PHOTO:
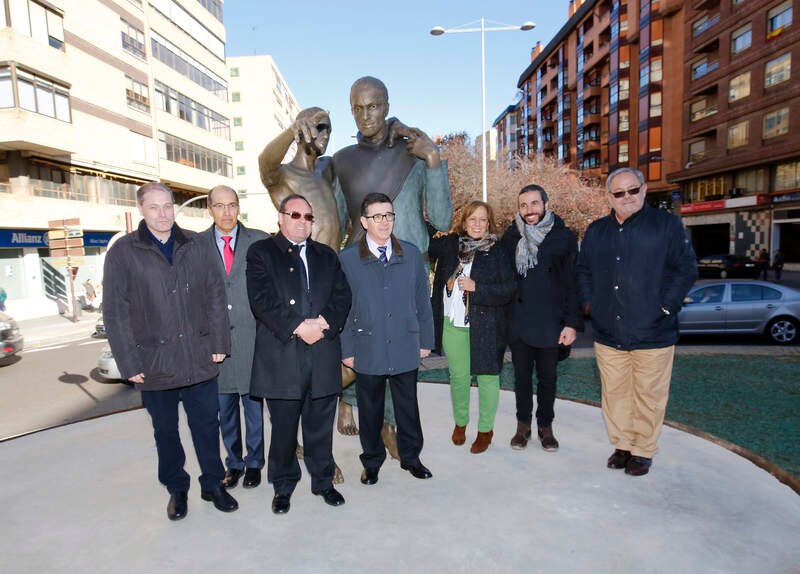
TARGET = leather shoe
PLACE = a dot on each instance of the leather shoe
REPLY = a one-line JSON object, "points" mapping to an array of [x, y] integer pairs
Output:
{"points": [[417, 470], [459, 435], [369, 476], [521, 437], [231, 477], [177, 506], [252, 478], [482, 442], [638, 466], [221, 499], [548, 439], [619, 459], [281, 504], [331, 496]]}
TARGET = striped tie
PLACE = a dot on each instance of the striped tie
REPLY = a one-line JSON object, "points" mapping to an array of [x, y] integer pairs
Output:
{"points": [[383, 258]]}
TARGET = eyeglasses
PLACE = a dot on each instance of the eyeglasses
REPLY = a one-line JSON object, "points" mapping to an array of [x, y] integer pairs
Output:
{"points": [[298, 215], [380, 217], [631, 191], [224, 206]]}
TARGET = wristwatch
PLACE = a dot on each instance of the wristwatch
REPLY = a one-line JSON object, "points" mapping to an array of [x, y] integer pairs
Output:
{"points": [[665, 311]]}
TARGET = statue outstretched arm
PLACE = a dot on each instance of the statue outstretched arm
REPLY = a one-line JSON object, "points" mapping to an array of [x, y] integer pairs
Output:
{"points": [[269, 161]]}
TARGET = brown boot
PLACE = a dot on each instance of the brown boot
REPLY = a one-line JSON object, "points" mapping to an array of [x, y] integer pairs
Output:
{"points": [[482, 442], [520, 440], [548, 440], [459, 435]]}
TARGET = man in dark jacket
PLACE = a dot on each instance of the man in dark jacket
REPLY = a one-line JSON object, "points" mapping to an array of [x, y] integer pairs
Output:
{"points": [[167, 324], [388, 331], [544, 313], [228, 240], [300, 298], [635, 267]]}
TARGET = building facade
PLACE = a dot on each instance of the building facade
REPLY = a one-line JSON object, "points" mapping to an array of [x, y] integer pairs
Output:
{"points": [[262, 106], [96, 98], [740, 175]]}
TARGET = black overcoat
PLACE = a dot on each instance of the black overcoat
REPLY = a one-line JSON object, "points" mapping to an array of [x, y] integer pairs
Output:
{"points": [[274, 288], [494, 289]]}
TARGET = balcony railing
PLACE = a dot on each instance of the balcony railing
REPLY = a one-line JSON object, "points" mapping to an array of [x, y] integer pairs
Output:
{"points": [[704, 69], [698, 156], [704, 113], [702, 27]]}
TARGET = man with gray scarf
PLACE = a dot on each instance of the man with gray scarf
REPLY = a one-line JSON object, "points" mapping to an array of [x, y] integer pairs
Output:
{"points": [[544, 314]]}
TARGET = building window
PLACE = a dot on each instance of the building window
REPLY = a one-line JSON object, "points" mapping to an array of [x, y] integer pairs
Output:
{"points": [[779, 18], [624, 89], [214, 7], [132, 40], [624, 123], [697, 150], [234, 72], [749, 181], [240, 170], [179, 105], [624, 57], [192, 155], [739, 87], [787, 175], [741, 39], [6, 89], [239, 146], [704, 23], [36, 21], [36, 95], [778, 70], [702, 67], [137, 94], [656, 69], [776, 123], [644, 76], [737, 134], [702, 109], [141, 148], [166, 52], [184, 20], [655, 105], [622, 155], [236, 96], [237, 122]]}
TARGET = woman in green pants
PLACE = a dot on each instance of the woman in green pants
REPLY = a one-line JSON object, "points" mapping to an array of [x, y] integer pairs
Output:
{"points": [[473, 283]]}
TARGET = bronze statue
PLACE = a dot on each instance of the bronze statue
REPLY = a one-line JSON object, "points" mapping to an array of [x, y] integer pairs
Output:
{"points": [[308, 174]]}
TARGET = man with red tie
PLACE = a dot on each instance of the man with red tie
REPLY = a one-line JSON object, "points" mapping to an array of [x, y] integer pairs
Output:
{"points": [[229, 241]]}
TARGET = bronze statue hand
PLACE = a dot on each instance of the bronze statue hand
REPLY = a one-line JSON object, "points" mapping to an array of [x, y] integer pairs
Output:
{"points": [[305, 127], [397, 129], [420, 145]]}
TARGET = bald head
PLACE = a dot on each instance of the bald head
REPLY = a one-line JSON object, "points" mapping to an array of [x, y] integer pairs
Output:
{"points": [[223, 204], [369, 102], [224, 188], [370, 82]]}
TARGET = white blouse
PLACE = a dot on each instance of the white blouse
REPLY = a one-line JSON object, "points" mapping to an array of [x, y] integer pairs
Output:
{"points": [[454, 308]]}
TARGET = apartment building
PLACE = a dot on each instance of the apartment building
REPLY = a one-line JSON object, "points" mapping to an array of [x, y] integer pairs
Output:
{"points": [[740, 175], [262, 106], [507, 127], [595, 97], [96, 98]]}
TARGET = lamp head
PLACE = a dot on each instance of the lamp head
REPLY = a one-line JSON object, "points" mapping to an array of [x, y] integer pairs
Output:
{"points": [[437, 31], [525, 26]]}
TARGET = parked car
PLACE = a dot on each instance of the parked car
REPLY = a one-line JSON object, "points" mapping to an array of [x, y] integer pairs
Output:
{"points": [[11, 340], [741, 306], [725, 266], [107, 365]]}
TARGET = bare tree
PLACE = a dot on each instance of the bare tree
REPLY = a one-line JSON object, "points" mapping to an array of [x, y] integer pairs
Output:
{"points": [[573, 198]]}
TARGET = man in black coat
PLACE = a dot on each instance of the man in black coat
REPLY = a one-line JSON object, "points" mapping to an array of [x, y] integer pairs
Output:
{"points": [[300, 298], [167, 324], [544, 312]]}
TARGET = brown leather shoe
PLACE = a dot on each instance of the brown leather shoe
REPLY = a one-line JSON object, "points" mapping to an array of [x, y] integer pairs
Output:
{"points": [[482, 442], [520, 440], [638, 465], [548, 439], [459, 435], [619, 459]]}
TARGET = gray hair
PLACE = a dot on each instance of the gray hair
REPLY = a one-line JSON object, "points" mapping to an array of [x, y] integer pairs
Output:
{"points": [[632, 170], [221, 187], [152, 186]]}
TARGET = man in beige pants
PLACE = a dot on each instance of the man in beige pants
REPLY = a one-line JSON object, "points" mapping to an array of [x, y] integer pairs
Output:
{"points": [[634, 269]]}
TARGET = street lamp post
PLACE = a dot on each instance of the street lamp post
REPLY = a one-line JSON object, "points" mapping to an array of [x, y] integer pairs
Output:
{"points": [[438, 31]]}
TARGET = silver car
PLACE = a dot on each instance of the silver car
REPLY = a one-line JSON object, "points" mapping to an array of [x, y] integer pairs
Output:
{"points": [[742, 306]]}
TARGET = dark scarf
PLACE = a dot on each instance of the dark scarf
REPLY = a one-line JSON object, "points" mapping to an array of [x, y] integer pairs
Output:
{"points": [[532, 236]]}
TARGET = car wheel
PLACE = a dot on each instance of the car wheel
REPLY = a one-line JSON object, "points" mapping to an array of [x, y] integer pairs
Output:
{"points": [[723, 274], [783, 330]]}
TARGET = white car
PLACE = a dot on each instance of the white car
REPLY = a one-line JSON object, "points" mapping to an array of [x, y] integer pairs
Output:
{"points": [[107, 365]]}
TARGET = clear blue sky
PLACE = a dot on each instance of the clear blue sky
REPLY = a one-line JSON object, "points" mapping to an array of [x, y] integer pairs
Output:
{"points": [[322, 46]]}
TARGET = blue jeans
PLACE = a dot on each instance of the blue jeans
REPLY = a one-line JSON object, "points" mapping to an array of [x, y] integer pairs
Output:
{"points": [[230, 426]]}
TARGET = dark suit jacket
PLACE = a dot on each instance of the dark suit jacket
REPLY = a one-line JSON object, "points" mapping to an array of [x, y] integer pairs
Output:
{"points": [[274, 288], [234, 372]]}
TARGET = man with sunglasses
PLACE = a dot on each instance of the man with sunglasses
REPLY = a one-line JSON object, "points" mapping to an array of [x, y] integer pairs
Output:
{"points": [[388, 331], [634, 269], [228, 240], [300, 298]]}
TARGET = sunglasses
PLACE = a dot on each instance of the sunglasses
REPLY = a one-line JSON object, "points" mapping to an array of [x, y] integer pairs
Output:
{"points": [[631, 191], [298, 215]]}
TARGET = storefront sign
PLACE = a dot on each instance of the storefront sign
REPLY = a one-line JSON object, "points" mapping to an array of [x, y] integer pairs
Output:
{"points": [[703, 206], [786, 197], [38, 238]]}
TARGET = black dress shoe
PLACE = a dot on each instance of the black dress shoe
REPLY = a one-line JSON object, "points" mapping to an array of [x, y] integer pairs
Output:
{"points": [[369, 476], [177, 506], [417, 470], [331, 496], [221, 499], [638, 466], [281, 504], [252, 478], [231, 477], [619, 459]]}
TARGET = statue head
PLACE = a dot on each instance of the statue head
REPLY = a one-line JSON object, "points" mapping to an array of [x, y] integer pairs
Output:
{"points": [[321, 120], [369, 102]]}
